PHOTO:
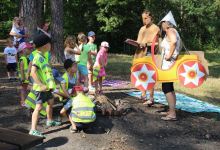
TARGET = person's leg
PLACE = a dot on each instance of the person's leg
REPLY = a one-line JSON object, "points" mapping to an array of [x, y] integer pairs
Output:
{"points": [[96, 87], [23, 93], [9, 75], [171, 99], [14, 70], [143, 96], [35, 116], [150, 102], [90, 78], [50, 122], [49, 110], [72, 123], [152, 94], [8, 71], [100, 84]]}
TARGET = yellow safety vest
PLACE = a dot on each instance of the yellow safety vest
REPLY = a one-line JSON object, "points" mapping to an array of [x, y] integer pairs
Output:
{"points": [[66, 79], [82, 109], [46, 55], [30, 102], [25, 63], [44, 72]]}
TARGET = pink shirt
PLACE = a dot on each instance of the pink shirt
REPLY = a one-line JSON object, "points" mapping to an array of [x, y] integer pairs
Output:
{"points": [[101, 58]]}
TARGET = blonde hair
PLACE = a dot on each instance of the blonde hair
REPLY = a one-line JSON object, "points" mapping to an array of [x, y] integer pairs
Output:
{"points": [[82, 37], [71, 41], [9, 40]]}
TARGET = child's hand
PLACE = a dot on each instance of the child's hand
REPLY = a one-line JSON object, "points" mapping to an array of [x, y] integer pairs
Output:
{"points": [[43, 87]]}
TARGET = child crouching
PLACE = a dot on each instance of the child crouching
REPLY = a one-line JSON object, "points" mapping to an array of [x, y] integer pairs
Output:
{"points": [[82, 110]]}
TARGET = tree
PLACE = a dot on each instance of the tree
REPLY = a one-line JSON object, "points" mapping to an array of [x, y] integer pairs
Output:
{"points": [[57, 30], [29, 14]]}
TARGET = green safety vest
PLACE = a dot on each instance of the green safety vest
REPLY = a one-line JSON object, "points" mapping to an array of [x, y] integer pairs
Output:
{"points": [[25, 63], [46, 55], [66, 79], [44, 72], [30, 102], [82, 109]]}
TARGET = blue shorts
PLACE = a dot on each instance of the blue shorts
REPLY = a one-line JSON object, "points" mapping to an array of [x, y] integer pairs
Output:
{"points": [[83, 69]]}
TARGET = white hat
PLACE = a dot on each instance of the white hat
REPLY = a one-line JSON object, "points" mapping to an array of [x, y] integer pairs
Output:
{"points": [[169, 17], [105, 44]]}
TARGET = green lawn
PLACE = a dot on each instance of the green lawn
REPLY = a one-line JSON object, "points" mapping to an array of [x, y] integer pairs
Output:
{"points": [[119, 68]]}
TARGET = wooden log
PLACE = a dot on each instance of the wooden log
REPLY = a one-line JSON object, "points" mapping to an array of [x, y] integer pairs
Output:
{"points": [[22, 140], [5, 146]]}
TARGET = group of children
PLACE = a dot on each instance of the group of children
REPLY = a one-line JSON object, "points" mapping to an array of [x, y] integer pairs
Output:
{"points": [[84, 66], [91, 64]]}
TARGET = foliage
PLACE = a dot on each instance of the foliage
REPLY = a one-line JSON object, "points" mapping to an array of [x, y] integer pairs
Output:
{"points": [[114, 21], [9, 9]]}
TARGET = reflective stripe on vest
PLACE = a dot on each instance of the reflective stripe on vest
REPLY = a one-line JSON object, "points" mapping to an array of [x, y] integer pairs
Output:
{"points": [[30, 101], [84, 119], [82, 109]]}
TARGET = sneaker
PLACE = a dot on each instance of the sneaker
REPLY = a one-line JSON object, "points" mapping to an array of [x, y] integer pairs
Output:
{"points": [[36, 133], [91, 89], [53, 123]]}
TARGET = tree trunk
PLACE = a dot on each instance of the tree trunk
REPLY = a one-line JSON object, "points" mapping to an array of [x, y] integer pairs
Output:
{"points": [[29, 14], [57, 30], [40, 10]]}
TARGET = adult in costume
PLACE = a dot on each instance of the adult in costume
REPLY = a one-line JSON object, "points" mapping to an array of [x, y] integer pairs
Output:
{"points": [[145, 37], [170, 50]]}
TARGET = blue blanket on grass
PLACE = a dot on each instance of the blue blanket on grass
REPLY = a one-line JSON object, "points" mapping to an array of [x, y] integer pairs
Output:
{"points": [[184, 102]]}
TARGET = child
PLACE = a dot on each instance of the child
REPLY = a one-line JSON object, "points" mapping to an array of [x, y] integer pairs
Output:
{"points": [[93, 50], [85, 56], [44, 83], [24, 50], [82, 111], [99, 66], [69, 79], [81, 40], [11, 60], [71, 48]]}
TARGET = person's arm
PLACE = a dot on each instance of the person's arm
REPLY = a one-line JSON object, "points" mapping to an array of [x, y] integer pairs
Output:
{"points": [[140, 35], [29, 68], [6, 62], [35, 78], [16, 57], [22, 71], [65, 92], [66, 107], [171, 35], [140, 38], [73, 51], [90, 58]]}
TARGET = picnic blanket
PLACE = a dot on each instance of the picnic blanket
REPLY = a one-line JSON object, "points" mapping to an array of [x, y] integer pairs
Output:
{"points": [[184, 102], [115, 83]]}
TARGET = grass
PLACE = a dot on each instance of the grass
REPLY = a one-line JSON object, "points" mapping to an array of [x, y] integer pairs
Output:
{"points": [[119, 68]]}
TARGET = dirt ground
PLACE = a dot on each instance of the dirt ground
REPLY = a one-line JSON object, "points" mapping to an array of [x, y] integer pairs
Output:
{"points": [[141, 129]]}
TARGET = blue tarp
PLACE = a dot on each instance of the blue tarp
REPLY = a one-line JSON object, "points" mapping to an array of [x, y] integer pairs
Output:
{"points": [[184, 102]]}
